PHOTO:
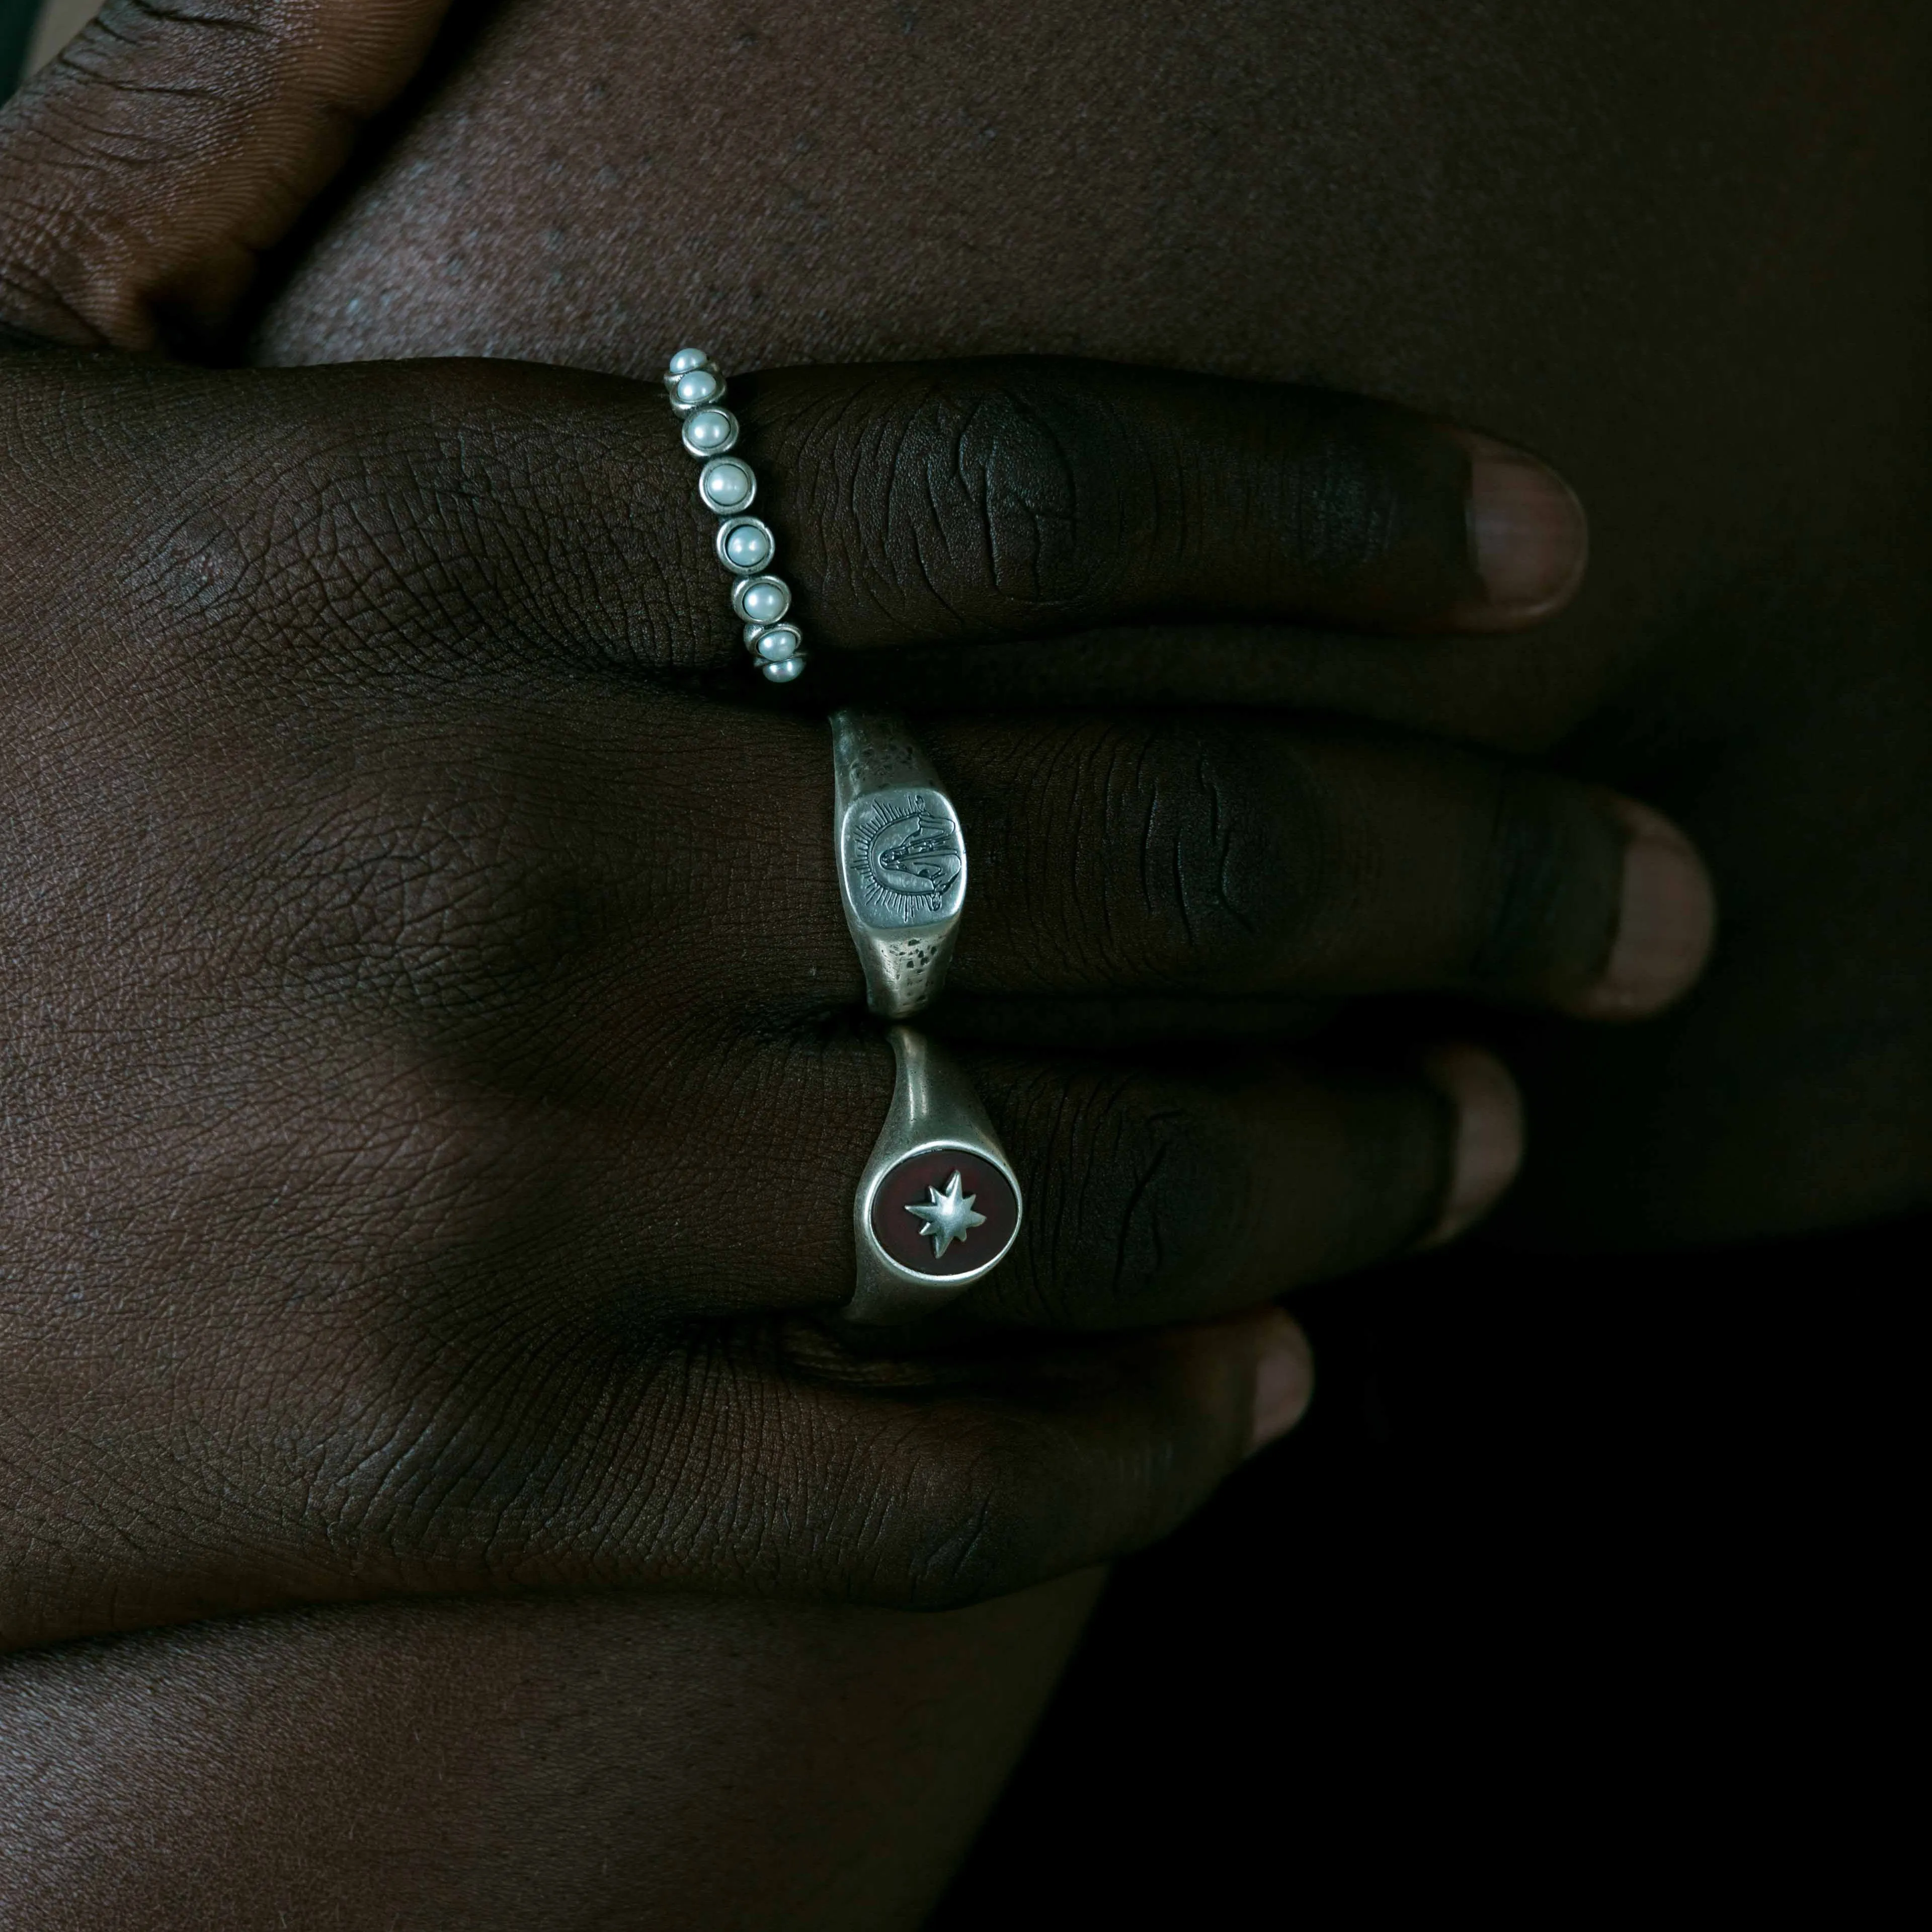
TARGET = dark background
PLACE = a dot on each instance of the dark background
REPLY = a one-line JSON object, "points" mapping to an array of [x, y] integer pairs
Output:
{"points": [[1583, 1583], [16, 28]]}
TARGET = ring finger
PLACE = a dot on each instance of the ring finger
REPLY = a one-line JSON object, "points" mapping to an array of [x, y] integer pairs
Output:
{"points": [[1208, 859], [1216, 858], [1153, 1196]]}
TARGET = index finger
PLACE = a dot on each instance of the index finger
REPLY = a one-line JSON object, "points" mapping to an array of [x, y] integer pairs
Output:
{"points": [[963, 502]]}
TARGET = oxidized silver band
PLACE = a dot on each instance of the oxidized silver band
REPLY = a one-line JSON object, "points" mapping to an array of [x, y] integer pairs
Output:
{"points": [[901, 861], [938, 1206], [726, 487]]}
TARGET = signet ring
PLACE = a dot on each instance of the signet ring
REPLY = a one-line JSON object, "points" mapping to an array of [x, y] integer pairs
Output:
{"points": [[938, 1206], [901, 861]]}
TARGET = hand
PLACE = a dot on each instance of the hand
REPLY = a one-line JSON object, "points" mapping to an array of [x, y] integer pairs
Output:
{"points": [[434, 1090], [1721, 351]]}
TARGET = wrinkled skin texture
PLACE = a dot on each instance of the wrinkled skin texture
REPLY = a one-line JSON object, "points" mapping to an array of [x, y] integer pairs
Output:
{"points": [[1679, 251], [424, 956], [568, 1765], [1676, 252], [418, 983]]}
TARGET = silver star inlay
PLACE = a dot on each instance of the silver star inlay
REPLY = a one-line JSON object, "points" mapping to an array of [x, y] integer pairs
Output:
{"points": [[947, 1217]]}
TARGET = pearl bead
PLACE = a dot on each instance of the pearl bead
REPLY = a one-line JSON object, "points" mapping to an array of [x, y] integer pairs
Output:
{"points": [[763, 601], [725, 485], [709, 430]]}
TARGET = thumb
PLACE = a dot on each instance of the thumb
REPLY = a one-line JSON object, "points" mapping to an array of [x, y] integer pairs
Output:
{"points": [[143, 173]]}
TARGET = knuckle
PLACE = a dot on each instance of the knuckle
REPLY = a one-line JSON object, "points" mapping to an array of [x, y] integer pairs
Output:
{"points": [[483, 1473], [1011, 1509], [520, 1428], [1366, 492], [450, 912], [1213, 865], [1134, 1210], [427, 542], [366, 543], [1017, 460], [141, 89], [1346, 510], [976, 1544], [1518, 933], [1000, 498]]}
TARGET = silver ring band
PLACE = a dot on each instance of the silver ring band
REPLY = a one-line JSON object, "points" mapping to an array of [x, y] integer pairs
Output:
{"points": [[938, 1206], [728, 488], [901, 861]]}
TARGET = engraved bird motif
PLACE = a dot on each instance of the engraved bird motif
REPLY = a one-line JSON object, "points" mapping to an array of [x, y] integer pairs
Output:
{"points": [[925, 860]]}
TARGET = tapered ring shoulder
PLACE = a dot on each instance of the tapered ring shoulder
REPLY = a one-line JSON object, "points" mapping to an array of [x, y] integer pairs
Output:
{"points": [[939, 1206]]}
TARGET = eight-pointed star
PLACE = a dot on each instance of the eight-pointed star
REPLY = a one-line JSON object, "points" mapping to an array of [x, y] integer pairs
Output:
{"points": [[947, 1217]]}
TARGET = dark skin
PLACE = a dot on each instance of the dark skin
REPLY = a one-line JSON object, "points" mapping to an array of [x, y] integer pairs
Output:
{"points": [[1408, 694], [421, 986], [596, 1762], [1680, 251], [438, 1048]]}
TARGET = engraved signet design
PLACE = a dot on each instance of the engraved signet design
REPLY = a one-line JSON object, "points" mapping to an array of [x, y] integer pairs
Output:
{"points": [[905, 861]]}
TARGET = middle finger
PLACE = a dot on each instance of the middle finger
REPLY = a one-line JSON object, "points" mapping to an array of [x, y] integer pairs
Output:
{"points": [[1216, 859]]}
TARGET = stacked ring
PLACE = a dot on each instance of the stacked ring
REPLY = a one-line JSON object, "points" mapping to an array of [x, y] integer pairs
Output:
{"points": [[938, 1205], [726, 487]]}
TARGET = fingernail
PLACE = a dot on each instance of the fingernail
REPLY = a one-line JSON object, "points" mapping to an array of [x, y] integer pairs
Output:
{"points": [[1284, 1379], [1667, 919], [1528, 537], [1488, 1134]]}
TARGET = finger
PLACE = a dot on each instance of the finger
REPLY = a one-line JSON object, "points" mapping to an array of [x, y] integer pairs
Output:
{"points": [[487, 508], [926, 1481], [529, 1452], [1204, 856], [961, 502], [143, 173], [1156, 1192], [1155, 1195]]}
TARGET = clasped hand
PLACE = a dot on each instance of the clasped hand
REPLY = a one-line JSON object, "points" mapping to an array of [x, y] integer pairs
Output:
{"points": [[435, 1070]]}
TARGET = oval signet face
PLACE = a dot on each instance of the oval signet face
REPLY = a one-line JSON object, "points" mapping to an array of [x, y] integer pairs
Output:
{"points": [[905, 862], [947, 1211]]}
